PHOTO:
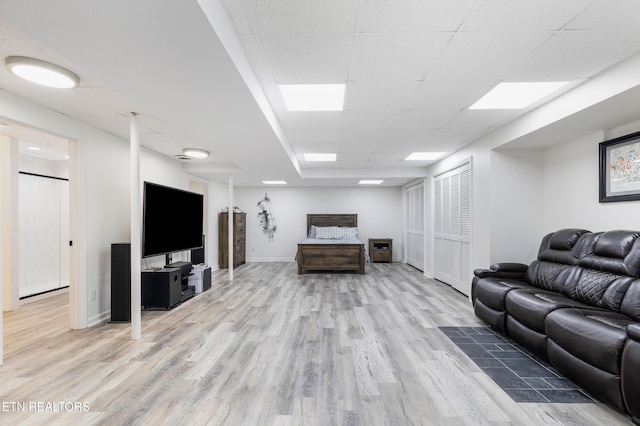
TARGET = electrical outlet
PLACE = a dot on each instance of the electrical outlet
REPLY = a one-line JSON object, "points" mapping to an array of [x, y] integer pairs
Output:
{"points": [[93, 295]]}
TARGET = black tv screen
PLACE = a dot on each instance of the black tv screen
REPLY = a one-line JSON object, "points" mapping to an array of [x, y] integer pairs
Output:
{"points": [[171, 221]]}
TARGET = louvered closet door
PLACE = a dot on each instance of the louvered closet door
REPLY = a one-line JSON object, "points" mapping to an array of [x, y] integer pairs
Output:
{"points": [[452, 228], [414, 199]]}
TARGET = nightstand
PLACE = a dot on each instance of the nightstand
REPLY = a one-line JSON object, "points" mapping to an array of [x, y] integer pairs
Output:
{"points": [[380, 249]]}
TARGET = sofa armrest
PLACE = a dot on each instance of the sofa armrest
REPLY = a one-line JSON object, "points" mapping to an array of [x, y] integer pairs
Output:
{"points": [[502, 270], [633, 331]]}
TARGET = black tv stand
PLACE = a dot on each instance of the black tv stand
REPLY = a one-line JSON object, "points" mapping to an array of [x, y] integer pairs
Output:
{"points": [[164, 288]]}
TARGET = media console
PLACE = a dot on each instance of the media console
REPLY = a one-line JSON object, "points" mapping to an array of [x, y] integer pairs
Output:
{"points": [[168, 287]]}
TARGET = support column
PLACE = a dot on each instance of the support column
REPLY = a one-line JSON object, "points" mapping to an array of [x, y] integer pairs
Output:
{"points": [[136, 227], [10, 236], [230, 231]]}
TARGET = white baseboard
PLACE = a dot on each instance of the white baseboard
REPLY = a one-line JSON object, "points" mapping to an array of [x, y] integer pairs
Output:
{"points": [[99, 319]]}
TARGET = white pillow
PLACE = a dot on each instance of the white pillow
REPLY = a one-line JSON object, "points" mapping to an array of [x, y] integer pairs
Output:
{"points": [[336, 233]]}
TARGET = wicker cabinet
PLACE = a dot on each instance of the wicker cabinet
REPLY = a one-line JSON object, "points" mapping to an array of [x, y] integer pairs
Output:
{"points": [[238, 238]]}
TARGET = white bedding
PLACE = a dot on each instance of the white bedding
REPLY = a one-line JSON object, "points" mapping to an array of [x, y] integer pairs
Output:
{"points": [[328, 241]]}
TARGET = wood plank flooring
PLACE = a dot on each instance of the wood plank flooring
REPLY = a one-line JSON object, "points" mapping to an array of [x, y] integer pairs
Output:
{"points": [[273, 348]]}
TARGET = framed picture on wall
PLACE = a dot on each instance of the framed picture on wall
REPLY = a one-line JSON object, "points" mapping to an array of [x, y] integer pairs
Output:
{"points": [[620, 169]]}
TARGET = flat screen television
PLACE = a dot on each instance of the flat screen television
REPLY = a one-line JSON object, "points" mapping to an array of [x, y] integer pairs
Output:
{"points": [[171, 220]]}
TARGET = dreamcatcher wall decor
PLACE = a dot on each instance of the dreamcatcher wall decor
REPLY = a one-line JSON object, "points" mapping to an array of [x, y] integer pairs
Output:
{"points": [[267, 221]]}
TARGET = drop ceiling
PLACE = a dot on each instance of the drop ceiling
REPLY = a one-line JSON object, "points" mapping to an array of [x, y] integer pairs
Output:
{"points": [[205, 74]]}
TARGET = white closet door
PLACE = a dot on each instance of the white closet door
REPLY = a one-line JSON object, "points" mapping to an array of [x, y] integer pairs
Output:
{"points": [[414, 199], [452, 228]]}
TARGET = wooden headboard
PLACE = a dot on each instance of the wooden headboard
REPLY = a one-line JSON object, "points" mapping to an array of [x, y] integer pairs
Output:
{"points": [[332, 220]]}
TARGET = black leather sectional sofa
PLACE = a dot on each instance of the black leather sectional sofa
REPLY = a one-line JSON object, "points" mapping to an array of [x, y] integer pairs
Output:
{"points": [[576, 306]]}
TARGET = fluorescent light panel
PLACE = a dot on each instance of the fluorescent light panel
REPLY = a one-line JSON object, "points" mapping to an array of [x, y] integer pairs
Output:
{"points": [[516, 95], [274, 182], [424, 156], [319, 156], [370, 181], [313, 97]]}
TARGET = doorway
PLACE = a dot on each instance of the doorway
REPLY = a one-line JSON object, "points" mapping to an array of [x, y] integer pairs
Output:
{"points": [[414, 206], [36, 250]]}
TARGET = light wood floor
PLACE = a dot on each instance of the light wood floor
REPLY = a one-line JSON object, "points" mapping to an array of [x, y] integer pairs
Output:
{"points": [[270, 348]]}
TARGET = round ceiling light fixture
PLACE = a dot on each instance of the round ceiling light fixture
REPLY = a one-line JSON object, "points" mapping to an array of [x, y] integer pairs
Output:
{"points": [[195, 153], [42, 72]]}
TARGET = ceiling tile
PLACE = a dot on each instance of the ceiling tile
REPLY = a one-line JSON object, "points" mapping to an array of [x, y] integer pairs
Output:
{"points": [[394, 56], [384, 16], [238, 17], [450, 94], [362, 135], [426, 119], [522, 15], [484, 56], [372, 96], [379, 119], [570, 55], [316, 58], [302, 16], [617, 15]]}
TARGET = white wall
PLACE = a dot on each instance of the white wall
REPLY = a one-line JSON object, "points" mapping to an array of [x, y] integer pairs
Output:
{"points": [[103, 196], [379, 210], [571, 187], [217, 201], [516, 205]]}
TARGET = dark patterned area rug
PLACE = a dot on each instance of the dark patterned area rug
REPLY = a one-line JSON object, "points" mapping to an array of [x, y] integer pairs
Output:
{"points": [[522, 376]]}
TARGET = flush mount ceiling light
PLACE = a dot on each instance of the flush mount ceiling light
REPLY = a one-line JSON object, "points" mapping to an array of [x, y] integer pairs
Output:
{"points": [[516, 95], [313, 97], [41, 72], [274, 182], [319, 157], [370, 182], [195, 153], [424, 156]]}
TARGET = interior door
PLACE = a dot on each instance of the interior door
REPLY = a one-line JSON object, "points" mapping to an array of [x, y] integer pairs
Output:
{"points": [[414, 199], [452, 228]]}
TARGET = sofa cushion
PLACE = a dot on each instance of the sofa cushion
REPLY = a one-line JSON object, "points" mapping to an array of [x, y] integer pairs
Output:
{"points": [[592, 335], [548, 275], [531, 307], [563, 246], [492, 291], [616, 252]]}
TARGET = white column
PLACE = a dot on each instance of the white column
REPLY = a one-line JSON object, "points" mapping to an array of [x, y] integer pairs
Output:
{"points": [[77, 234], [230, 231], [136, 233], [10, 236]]}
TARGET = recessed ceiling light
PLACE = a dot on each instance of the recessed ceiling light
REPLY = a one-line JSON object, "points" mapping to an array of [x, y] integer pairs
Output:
{"points": [[516, 95], [274, 182], [195, 153], [313, 97], [370, 182], [41, 72], [33, 148], [424, 156], [319, 157]]}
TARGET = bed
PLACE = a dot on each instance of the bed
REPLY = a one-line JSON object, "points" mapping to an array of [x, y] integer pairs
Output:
{"points": [[323, 253]]}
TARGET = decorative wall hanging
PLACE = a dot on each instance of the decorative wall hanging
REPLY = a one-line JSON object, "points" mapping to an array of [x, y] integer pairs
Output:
{"points": [[620, 169], [267, 221]]}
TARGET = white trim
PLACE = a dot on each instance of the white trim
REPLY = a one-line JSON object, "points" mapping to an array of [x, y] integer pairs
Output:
{"points": [[136, 229], [78, 235]]}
